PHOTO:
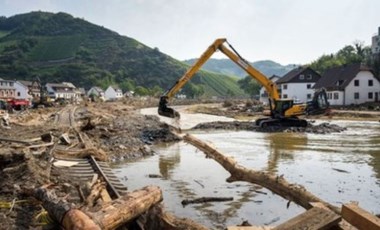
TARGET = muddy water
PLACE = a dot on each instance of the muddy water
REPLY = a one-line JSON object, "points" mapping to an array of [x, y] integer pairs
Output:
{"points": [[336, 167]]}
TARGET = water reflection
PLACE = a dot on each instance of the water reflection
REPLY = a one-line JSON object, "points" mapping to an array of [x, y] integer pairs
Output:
{"points": [[167, 163], [307, 159], [282, 147]]}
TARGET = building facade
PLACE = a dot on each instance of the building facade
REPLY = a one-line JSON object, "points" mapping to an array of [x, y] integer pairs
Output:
{"points": [[298, 84], [7, 89], [350, 85], [113, 93]]}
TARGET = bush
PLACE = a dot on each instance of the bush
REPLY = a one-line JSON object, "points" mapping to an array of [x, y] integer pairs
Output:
{"points": [[227, 103]]}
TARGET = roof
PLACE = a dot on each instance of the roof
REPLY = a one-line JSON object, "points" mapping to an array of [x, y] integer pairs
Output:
{"points": [[59, 85], [291, 75], [337, 78], [26, 83], [97, 89], [115, 87]]}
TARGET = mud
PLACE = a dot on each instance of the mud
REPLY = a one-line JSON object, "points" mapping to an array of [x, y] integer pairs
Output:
{"points": [[116, 128], [322, 128]]}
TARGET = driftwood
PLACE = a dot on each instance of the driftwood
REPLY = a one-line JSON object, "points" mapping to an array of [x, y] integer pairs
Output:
{"points": [[61, 211], [157, 218], [206, 199], [110, 216], [127, 207], [82, 153], [276, 184]]}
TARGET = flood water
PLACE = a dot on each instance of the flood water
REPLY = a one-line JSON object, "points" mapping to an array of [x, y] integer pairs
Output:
{"points": [[338, 168]]}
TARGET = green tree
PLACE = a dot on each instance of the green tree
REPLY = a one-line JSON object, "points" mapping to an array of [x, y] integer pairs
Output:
{"points": [[249, 85], [141, 91]]}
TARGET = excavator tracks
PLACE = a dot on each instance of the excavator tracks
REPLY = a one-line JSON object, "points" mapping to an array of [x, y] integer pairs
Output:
{"points": [[83, 170]]}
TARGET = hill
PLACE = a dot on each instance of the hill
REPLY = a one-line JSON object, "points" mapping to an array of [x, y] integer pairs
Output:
{"points": [[226, 66], [59, 47]]}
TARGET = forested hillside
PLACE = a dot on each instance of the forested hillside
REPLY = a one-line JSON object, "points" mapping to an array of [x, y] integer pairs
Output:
{"points": [[59, 47], [226, 66]]}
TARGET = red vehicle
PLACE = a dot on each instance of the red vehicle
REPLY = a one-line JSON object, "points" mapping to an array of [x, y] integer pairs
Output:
{"points": [[19, 104]]}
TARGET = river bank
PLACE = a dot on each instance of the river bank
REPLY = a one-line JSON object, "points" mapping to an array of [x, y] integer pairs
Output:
{"points": [[116, 129]]}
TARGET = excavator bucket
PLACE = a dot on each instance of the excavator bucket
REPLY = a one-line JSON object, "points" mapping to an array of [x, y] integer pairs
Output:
{"points": [[165, 111], [319, 104]]}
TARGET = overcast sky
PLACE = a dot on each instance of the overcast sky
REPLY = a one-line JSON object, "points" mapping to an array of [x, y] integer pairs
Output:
{"points": [[285, 31]]}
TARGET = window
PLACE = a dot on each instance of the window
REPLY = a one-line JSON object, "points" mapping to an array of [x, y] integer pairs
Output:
{"points": [[10, 83], [356, 95], [370, 82], [309, 96], [336, 96], [285, 95], [309, 77], [370, 95], [18, 94], [302, 77], [285, 87], [308, 86], [339, 83], [356, 82]]}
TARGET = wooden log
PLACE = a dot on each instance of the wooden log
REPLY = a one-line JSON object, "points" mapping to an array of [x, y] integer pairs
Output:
{"points": [[360, 218], [277, 184], [127, 207], [61, 211], [158, 218], [206, 199], [111, 216]]}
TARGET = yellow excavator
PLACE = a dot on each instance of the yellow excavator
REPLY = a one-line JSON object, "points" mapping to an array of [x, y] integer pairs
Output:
{"points": [[283, 112]]}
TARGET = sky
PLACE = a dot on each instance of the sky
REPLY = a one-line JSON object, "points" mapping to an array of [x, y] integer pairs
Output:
{"points": [[285, 31]]}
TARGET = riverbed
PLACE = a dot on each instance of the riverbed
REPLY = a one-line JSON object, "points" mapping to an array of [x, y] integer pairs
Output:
{"points": [[337, 167]]}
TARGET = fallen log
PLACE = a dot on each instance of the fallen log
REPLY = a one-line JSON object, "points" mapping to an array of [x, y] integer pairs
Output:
{"points": [[119, 211], [158, 218], [205, 200], [277, 184], [61, 211], [111, 216]]}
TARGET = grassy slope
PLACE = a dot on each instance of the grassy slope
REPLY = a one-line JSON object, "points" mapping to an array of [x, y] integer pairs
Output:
{"points": [[87, 54]]}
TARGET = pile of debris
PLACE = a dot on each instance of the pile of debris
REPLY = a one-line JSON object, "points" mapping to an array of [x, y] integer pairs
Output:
{"points": [[323, 128]]}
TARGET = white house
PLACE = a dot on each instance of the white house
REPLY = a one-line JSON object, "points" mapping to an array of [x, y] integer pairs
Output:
{"points": [[350, 84], [113, 93], [64, 90], [96, 91], [26, 90], [264, 94], [298, 84]]}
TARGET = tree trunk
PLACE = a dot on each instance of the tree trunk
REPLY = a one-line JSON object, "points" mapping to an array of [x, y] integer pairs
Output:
{"points": [[110, 216], [127, 207], [277, 184]]}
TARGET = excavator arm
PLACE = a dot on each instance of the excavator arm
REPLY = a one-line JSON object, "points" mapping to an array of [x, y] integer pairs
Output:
{"points": [[218, 44], [283, 111]]}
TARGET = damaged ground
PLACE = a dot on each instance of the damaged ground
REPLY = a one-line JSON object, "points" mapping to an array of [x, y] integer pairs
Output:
{"points": [[115, 131], [24, 158]]}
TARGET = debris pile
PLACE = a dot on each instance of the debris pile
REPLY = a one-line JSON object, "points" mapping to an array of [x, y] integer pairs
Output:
{"points": [[323, 128]]}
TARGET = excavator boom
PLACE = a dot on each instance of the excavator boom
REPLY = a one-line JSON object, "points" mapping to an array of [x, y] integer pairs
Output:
{"points": [[282, 110]]}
